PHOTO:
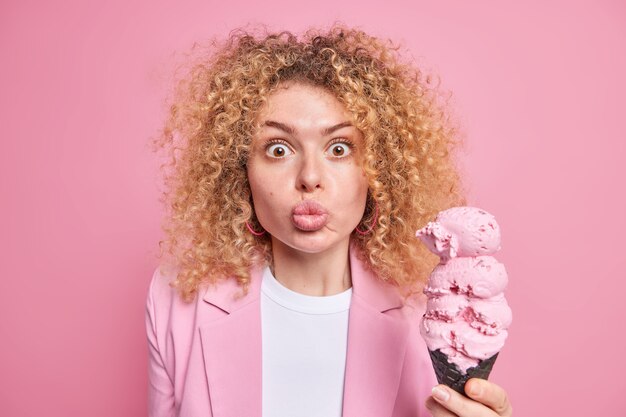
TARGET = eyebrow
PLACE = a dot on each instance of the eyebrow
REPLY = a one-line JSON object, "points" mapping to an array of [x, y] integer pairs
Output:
{"points": [[291, 130]]}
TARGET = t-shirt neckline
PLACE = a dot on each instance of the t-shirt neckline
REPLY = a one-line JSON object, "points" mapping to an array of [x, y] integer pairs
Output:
{"points": [[303, 303]]}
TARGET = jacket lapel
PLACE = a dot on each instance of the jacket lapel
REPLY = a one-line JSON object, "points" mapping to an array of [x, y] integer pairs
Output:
{"points": [[231, 346], [377, 341]]}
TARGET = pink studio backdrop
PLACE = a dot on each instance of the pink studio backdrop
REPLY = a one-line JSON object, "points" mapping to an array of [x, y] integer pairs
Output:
{"points": [[538, 87]]}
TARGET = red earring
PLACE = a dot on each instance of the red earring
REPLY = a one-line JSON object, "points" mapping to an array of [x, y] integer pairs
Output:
{"points": [[371, 227], [252, 230]]}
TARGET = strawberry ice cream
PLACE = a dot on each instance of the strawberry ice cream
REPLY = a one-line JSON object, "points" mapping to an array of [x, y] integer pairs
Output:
{"points": [[467, 316]]}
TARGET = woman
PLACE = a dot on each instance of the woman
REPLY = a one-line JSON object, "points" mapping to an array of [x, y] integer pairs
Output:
{"points": [[301, 169]]}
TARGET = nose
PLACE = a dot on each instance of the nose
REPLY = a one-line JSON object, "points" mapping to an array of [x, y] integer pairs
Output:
{"points": [[310, 174]]}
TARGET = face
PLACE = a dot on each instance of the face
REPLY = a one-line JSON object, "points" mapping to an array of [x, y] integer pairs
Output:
{"points": [[308, 187]]}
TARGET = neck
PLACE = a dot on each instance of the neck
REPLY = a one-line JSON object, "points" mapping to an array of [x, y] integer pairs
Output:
{"points": [[318, 274]]}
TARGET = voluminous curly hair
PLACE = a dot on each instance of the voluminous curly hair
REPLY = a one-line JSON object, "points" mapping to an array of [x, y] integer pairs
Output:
{"points": [[207, 135]]}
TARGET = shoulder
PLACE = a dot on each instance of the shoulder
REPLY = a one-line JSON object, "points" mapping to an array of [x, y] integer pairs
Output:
{"points": [[161, 294], [165, 308], [162, 276], [415, 306]]}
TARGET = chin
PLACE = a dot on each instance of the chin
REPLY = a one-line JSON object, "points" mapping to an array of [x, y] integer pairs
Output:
{"points": [[311, 242]]}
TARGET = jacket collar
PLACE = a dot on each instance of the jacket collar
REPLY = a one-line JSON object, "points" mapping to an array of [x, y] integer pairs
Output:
{"points": [[228, 296]]}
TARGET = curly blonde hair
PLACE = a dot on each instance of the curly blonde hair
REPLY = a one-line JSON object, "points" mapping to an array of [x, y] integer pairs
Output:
{"points": [[408, 150]]}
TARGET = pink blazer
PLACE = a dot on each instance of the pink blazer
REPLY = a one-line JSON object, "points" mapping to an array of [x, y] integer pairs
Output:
{"points": [[205, 357]]}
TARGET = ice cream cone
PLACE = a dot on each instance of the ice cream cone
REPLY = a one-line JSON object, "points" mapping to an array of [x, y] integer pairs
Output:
{"points": [[450, 375]]}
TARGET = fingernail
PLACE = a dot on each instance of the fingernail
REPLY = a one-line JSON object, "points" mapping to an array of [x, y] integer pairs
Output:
{"points": [[441, 394], [475, 389]]}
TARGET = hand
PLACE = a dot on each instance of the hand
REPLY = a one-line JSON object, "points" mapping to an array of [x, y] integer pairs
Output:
{"points": [[487, 400]]}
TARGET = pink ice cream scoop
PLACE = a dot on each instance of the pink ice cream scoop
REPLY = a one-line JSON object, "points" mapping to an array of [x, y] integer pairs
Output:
{"points": [[462, 231], [467, 316], [475, 277]]}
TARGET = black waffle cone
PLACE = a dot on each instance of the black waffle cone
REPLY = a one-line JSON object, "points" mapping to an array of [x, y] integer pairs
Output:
{"points": [[450, 375]]}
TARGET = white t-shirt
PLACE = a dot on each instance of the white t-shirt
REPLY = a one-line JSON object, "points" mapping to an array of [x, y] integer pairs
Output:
{"points": [[304, 341]]}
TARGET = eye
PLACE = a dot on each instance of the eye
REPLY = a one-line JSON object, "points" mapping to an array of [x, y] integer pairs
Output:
{"points": [[340, 149], [278, 150]]}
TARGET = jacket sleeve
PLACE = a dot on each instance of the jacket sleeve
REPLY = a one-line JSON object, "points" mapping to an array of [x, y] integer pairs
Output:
{"points": [[160, 384], [422, 365], [429, 380]]}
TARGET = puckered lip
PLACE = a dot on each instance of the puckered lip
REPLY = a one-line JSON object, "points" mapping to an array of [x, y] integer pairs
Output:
{"points": [[309, 216]]}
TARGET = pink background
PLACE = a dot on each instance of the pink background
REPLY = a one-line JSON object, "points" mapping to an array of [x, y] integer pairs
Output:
{"points": [[540, 91]]}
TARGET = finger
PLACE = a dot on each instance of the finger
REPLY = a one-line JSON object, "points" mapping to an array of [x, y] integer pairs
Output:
{"points": [[438, 410], [459, 404], [490, 394]]}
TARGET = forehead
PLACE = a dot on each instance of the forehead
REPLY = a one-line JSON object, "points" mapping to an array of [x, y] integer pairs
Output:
{"points": [[303, 102]]}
